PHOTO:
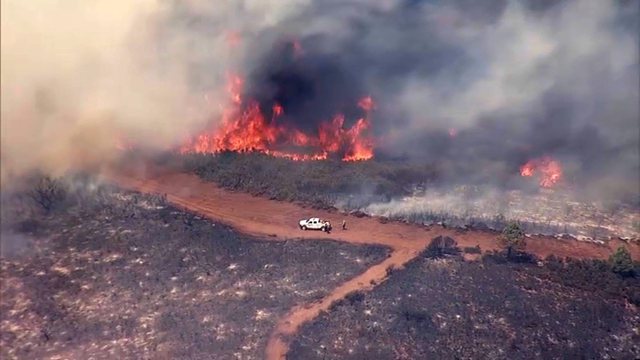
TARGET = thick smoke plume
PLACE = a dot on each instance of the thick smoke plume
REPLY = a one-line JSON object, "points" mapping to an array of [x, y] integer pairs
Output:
{"points": [[477, 87], [82, 79]]}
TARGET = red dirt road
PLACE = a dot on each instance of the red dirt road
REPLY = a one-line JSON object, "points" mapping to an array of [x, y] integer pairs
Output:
{"points": [[278, 221]]}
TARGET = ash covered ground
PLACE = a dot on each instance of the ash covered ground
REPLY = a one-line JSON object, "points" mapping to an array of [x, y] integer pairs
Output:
{"points": [[124, 275], [542, 211], [490, 309]]}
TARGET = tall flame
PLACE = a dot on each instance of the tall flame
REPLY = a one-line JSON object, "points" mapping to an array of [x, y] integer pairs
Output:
{"points": [[550, 170], [247, 129]]}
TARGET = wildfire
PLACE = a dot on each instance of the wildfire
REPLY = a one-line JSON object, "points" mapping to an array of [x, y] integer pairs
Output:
{"points": [[233, 38], [298, 51], [247, 129], [122, 143], [550, 171]]}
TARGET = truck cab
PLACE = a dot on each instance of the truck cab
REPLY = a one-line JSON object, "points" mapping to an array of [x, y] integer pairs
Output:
{"points": [[314, 224]]}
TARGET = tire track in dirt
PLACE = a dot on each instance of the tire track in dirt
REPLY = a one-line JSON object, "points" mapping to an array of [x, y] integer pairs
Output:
{"points": [[288, 326], [277, 221]]}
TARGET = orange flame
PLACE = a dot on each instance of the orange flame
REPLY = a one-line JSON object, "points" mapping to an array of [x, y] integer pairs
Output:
{"points": [[122, 143], [233, 38], [277, 110], [550, 171], [366, 103], [248, 130], [298, 51]]}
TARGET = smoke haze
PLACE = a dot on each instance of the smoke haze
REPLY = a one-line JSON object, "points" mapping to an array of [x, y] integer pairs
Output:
{"points": [[514, 80]]}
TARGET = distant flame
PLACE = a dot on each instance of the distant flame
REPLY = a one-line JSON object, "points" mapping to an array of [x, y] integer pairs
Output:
{"points": [[122, 143], [233, 38], [366, 103], [550, 170], [277, 110], [298, 51], [247, 129], [527, 169]]}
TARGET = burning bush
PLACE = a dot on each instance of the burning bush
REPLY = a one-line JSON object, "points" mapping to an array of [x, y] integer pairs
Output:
{"points": [[549, 170], [246, 127]]}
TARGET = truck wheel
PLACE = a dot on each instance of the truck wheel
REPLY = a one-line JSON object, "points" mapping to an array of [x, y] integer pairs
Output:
{"points": [[303, 227]]}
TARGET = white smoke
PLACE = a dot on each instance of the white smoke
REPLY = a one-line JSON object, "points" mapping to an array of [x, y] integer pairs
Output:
{"points": [[80, 77]]}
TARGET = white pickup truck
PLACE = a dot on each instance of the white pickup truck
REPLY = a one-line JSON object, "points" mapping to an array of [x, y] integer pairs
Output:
{"points": [[315, 224]]}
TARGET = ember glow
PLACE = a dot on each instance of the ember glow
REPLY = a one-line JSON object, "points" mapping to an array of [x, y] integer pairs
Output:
{"points": [[548, 170], [298, 51], [245, 128], [122, 143], [233, 38]]}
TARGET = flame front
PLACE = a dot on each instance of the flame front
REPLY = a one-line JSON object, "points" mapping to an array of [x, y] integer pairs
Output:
{"points": [[247, 129], [550, 170]]}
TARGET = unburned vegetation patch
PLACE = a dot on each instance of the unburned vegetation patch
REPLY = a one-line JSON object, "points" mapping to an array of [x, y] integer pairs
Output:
{"points": [[317, 183]]}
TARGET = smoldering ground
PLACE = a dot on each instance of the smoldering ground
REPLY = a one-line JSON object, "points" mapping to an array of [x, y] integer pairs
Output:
{"points": [[514, 80]]}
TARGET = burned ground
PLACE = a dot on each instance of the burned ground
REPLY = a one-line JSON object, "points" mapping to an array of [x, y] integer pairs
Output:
{"points": [[132, 277], [448, 308]]}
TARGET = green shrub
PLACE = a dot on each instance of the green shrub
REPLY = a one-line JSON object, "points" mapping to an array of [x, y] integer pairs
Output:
{"points": [[621, 262], [512, 238]]}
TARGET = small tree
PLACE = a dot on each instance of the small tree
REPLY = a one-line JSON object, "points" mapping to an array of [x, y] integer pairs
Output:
{"points": [[621, 262], [48, 193], [512, 238]]}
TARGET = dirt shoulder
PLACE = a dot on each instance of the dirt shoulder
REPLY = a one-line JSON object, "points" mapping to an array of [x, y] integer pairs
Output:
{"points": [[260, 216]]}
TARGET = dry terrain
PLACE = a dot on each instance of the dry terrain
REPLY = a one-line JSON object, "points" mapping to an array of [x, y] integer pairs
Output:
{"points": [[447, 308], [259, 216], [134, 277]]}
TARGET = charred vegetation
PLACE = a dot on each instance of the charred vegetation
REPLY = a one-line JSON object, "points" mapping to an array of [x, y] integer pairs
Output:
{"points": [[499, 307], [126, 274]]}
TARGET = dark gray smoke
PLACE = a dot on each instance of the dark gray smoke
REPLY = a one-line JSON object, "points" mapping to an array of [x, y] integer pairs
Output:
{"points": [[310, 86], [515, 80]]}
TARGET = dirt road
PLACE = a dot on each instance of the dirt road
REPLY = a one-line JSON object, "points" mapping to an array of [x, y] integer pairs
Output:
{"points": [[277, 220]]}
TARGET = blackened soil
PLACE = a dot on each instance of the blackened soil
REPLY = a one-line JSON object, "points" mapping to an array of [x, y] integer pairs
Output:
{"points": [[451, 309], [131, 277]]}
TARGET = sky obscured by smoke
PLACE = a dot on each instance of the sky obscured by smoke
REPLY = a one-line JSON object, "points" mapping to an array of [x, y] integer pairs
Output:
{"points": [[515, 79]]}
